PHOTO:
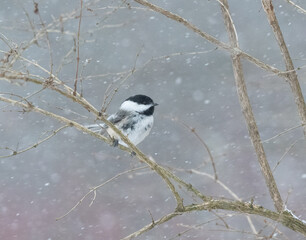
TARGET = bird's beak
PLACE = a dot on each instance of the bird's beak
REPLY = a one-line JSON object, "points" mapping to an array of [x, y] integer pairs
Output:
{"points": [[155, 104]]}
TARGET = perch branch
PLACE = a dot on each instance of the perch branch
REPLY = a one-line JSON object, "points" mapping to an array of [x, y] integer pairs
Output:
{"points": [[164, 174]]}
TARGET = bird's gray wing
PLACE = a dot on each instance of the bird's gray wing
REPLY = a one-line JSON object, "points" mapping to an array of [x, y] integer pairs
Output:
{"points": [[114, 119], [118, 117]]}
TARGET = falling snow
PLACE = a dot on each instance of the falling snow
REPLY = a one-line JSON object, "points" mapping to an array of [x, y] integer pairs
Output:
{"points": [[130, 50]]}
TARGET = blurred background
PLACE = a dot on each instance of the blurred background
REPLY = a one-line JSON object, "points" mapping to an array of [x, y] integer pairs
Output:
{"points": [[194, 85]]}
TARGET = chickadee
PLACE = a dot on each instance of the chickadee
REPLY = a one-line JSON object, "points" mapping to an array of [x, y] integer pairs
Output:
{"points": [[134, 119]]}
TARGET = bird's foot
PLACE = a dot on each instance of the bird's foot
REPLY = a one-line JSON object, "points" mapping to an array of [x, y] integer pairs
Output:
{"points": [[115, 142]]}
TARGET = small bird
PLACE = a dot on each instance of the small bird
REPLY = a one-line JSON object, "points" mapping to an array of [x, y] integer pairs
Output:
{"points": [[134, 119]]}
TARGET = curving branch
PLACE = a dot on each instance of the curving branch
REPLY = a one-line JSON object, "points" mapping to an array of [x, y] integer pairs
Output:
{"points": [[242, 207]]}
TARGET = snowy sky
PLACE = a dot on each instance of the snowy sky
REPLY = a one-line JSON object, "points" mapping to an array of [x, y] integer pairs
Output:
{"points": [[194, 85]]}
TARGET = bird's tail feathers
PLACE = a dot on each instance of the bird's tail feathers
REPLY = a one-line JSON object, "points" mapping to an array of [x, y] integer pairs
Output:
{"points": [[97, 128]]}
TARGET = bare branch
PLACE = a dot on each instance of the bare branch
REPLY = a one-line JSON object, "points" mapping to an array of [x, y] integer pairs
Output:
{"points": [[248, 113], [284, 218], [291, 75]]}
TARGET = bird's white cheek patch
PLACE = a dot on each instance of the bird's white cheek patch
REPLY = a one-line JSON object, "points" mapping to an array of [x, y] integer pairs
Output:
{"points": [[131, 106]]}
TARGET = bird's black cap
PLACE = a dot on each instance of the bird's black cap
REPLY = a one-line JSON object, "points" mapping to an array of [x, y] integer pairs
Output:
{"points": [[141, 99], [144, 100]]}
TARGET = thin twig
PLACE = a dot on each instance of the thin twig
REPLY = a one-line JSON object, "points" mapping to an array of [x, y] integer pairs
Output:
{"points": [[30, 21], [221, 219], [110, 93], [273, 225], [195, 227], [194, 132], [64, 60], [148, 227], [94, 189], [285, 153], [15, 152], [78, 51], [36, 11], [279, 134], [120, 74], [22, 98], [300, 9], [40, 34], [30, 107]]}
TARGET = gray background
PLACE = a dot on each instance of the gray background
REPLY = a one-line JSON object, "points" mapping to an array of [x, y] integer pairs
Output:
{"points": [[197, 89]]}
